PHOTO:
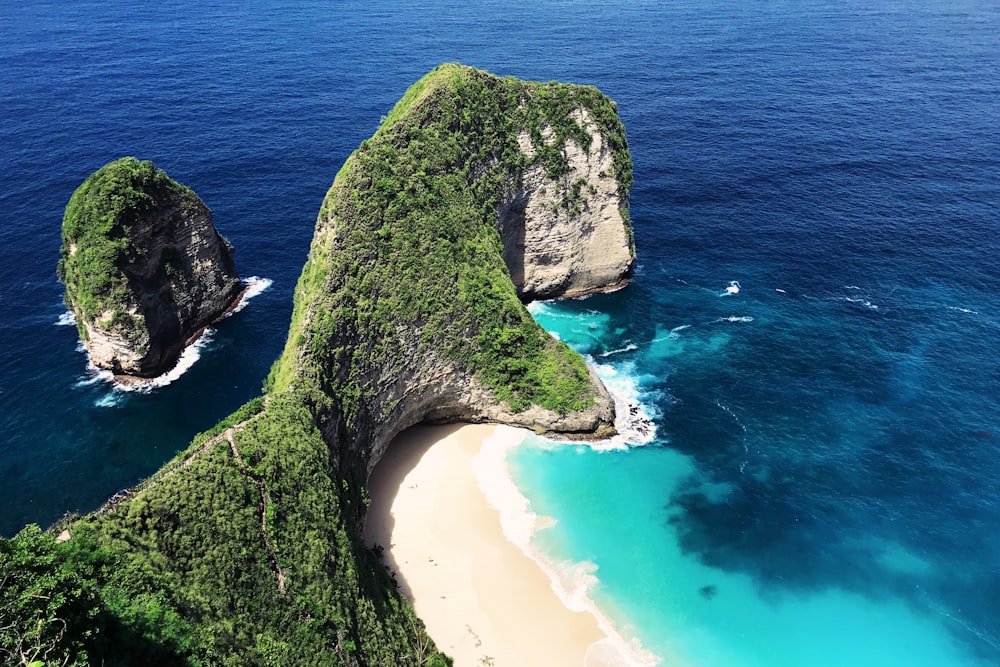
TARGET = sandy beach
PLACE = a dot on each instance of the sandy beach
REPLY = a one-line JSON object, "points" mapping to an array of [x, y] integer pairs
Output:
{"points": [[484, 601]]}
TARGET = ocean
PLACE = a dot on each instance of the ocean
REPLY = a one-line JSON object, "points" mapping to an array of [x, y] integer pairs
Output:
{"points": [[811, 329]]}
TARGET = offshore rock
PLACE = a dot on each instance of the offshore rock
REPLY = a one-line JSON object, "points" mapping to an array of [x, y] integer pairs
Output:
{"points": [[144, 267]]}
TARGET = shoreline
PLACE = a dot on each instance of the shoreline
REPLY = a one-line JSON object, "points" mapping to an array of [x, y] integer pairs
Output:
{"points": [[251, 287], [437, 498]]}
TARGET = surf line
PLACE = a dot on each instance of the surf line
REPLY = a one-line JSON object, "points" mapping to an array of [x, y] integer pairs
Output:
{"points": [[743, 440]]}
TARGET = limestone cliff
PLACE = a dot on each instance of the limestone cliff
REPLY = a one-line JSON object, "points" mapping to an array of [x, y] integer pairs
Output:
{"points": [[568, 236], [144, 267]]}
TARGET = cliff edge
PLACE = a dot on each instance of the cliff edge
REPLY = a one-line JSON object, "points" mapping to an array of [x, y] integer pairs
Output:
{"points": [[144, 267]]}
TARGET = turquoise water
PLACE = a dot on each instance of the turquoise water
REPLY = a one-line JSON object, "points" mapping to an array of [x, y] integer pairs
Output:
{"points": [[617, 511]]}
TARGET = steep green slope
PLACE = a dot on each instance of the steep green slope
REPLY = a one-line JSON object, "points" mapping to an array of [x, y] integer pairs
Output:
{"points": [[246, 549], [406, 271]]}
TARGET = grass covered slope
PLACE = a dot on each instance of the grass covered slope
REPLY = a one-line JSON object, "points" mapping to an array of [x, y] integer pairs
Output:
{"points": [[246, 549], [241, 551]]}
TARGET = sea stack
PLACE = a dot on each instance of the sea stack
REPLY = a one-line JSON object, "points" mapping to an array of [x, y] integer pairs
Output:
{"points": [[144, 267]]}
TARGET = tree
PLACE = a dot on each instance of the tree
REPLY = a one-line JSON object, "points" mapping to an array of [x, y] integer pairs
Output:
{"points": [[48, 607]]}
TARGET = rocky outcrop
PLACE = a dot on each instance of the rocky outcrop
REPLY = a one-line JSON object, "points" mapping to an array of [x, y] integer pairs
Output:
{"points": [[144, 267], [477, 192], [436, 389], [569, 236]]}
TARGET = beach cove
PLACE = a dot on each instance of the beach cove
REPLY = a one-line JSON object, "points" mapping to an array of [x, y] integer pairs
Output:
{"points": [[483, 598]]}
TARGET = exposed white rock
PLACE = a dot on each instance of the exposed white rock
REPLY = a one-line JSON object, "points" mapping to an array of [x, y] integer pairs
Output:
{"points": [[567, 237]]}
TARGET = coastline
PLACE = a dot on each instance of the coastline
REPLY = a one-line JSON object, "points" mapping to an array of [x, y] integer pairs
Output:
{"points": [[251, 287], [434, 510]]}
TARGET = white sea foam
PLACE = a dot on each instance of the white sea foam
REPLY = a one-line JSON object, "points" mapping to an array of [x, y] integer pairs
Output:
{"points": [[537, 308], [732, 414], [189, 356], [633, 418], [253, 286], [117, 390], [110, 399], [851, 287], [583, 331], [676, 331], [572, 582], [93, 376], [735, 318], [864, 303], [746, 448], [959, 309], [733, 288], [67, 319], [628, 348]]}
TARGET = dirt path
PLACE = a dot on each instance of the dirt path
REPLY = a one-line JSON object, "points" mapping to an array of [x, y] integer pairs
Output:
{"points": [[265, 498], [265, 501]]}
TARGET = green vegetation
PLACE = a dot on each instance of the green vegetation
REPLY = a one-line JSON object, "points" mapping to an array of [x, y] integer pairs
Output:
{"points": [[408, 240], [246, 548], [95, 234], [182, 572]]}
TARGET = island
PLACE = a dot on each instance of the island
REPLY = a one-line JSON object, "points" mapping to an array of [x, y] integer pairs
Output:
{"points": [[476, 194], [144, 267]]}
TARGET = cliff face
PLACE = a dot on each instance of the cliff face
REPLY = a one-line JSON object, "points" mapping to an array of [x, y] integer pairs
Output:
{"points": [[567, 236], [433, 388], [144, 267]]}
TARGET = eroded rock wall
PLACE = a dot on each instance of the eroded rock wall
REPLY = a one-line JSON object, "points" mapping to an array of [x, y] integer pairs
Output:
{"points": [[568, 236]]}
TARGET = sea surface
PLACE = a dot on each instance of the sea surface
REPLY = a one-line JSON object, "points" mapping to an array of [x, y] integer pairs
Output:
{"points": [[812, 329]]}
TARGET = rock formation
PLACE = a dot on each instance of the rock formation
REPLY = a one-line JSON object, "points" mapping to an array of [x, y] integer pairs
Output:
{"points": [[406, 310], [144, 267], [567, 238], [246, 548]]}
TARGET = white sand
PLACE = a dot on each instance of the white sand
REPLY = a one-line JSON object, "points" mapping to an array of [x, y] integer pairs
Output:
{"points": [[483, 600]]}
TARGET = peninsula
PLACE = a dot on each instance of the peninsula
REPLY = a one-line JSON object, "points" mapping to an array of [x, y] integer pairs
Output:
{"points": [[476, 192], [144, 267]]}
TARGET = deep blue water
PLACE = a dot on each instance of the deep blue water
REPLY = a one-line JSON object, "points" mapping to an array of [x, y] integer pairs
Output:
{"points": [[822, 489]]}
